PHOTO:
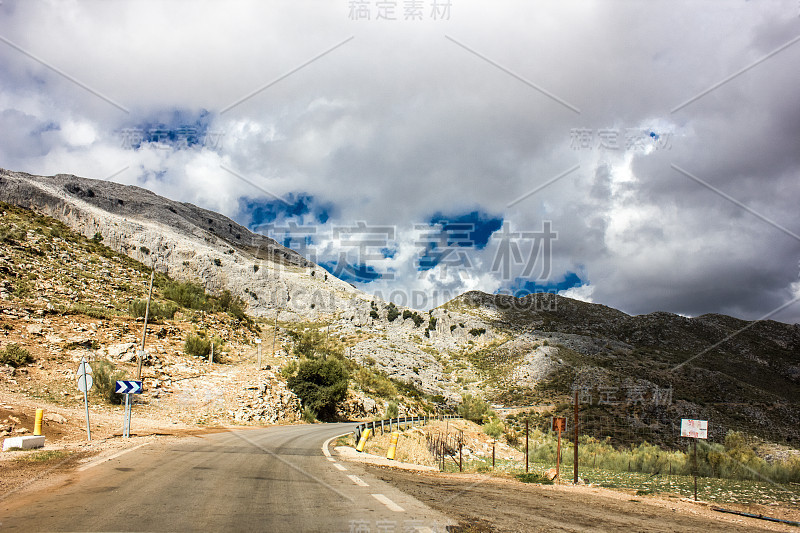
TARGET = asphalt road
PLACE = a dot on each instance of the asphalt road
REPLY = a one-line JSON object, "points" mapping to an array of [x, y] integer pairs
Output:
{"points": [[270, 479]]}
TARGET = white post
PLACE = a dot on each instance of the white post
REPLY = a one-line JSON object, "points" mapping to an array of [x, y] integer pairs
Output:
{"points": [[125, 415], [86, 403], [211, 354], [259, 354], [130, 413]]}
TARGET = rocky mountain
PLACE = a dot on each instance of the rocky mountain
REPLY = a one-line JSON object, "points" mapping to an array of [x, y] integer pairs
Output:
{"points": [[183, 241], [638, 375]]}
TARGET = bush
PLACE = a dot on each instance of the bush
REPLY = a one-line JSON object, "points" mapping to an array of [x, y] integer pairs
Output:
{"points": [[158, 310], [475, 332], [375, 383], [321, 384], [493, 428], [391, 410], [473, 408], [187, 294], [105, 376], [196, 345], [308, 416], [289, 370], [15, 355], [391, 312]]}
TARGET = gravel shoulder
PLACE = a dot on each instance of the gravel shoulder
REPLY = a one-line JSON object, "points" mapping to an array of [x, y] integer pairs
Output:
{"points": [[482, 503]]}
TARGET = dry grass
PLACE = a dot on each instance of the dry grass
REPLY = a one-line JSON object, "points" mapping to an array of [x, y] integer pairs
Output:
{"points": [[411, 446]]}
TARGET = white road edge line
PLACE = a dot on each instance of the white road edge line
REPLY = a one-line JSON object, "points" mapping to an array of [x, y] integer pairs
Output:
{"points": [[331, 459], [325, 444], [357, 480], [340, 467], [388, 503], [104, 459]]}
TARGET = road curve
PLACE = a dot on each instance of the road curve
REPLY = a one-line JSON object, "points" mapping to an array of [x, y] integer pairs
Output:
{"points": [[268, 479]]}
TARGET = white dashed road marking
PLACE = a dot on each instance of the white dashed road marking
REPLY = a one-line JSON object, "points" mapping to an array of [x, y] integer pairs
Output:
{"points": [[340, 467], [357, 480], [388, 503]]}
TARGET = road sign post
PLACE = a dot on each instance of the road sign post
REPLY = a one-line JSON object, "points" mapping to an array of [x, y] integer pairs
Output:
{"points": [[85, 383], [258, 346], [695, 429], [127, 387]]}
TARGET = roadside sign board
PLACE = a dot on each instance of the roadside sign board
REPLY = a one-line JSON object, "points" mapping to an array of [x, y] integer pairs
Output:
{"points": [[84, 368], [128, 387], [697, 429], [85, 382], [258, 341], [559, 423]]}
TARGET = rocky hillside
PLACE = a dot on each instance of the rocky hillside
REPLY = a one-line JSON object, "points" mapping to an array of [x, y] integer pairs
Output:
{"points": [[650, 370], [638, 373], [183, 241]]}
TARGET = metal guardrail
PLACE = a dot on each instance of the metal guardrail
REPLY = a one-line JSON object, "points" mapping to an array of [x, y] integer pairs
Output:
{"points": [[398, 422]]}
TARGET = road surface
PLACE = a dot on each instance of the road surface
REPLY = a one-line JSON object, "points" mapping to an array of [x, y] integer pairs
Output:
{"points": [[270, 479]]}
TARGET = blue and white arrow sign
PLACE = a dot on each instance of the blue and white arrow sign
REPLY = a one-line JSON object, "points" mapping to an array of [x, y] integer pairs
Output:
{"points": [[129, 387]]}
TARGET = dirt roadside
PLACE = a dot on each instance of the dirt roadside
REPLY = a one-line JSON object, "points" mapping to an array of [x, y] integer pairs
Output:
{"points": [[66, 447], [482, 503]]}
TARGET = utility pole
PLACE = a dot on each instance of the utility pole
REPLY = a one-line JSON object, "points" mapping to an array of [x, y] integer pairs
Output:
{"points": [[144, 330], [575, 461], [527, 419], [275, 335]]}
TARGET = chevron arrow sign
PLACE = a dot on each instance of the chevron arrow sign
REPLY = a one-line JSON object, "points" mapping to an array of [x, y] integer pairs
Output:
{"points": [[129, 387]]}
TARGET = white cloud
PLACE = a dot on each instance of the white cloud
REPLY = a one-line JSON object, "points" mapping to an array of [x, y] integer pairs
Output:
{"points": [[401, 122]]}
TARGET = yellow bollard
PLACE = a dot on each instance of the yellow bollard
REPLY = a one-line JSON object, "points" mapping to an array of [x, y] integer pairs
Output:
{"points": [[393, 445], [37, 429], [363, 441]]}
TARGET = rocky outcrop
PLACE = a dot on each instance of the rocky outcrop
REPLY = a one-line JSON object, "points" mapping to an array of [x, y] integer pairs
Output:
{"points": [[185, 241]]}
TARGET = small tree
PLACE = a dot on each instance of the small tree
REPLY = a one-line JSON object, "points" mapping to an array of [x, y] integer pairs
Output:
{"points": [[105, 376], [392, 410], [15, 355], [321, 384], [196, 345], [494, 428], [473, 408]]}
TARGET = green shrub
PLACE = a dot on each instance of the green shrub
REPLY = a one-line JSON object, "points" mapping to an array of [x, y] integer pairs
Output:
{"points": [[187, 294], [158, 310], [373, 382], [392, 410], [105, 376], [534, 478], [392, 312], [321, 384], [473, 408], [494, 428], [413, 315], [289, 370], [308, 416], [196, 345], [15, 355], [475, 332]]}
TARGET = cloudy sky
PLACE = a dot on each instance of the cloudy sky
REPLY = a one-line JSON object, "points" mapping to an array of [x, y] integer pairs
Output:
{"points": [[642, 155]]}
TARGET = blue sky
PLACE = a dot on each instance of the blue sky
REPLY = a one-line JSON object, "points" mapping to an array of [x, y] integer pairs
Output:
{"points": [[658, 171]]}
